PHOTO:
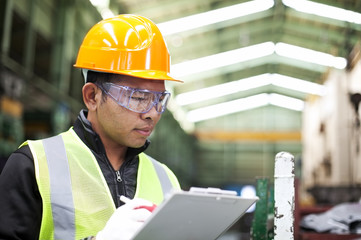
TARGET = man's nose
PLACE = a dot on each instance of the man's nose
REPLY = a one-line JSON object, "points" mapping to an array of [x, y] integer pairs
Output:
{"points": [[151, 114]]}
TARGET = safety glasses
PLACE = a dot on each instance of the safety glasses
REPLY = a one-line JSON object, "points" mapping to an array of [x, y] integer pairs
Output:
{"points": [[136, 100]]}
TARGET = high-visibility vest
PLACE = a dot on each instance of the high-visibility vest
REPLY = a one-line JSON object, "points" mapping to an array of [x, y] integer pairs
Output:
{"points": [[76, 198]]}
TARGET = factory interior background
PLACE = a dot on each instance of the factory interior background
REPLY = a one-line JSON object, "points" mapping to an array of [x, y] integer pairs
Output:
{"points": [[260, 77]]}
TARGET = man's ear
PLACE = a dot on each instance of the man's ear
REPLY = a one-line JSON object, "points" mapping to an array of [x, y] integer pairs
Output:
{"points": [[91, 96]]}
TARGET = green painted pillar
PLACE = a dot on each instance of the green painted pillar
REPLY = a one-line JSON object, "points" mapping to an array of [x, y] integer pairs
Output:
{"points": [[270, 218], [259, 224]]}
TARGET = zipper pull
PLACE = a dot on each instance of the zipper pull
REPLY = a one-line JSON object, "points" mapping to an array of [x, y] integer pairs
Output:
{"points": [[119, 179]]}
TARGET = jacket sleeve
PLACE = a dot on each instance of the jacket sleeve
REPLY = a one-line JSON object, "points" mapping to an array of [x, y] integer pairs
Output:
{"points": [[20, 200]]}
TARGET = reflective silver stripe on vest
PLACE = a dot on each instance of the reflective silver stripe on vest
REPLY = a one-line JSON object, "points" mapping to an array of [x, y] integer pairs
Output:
{"points": [[162, 176], [60, 188]]}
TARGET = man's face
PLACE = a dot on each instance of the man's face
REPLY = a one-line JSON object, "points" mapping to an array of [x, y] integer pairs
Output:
{"points": [[119, 126]]}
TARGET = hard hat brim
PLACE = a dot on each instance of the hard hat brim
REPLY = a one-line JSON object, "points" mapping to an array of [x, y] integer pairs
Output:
{"points": [[146, 74], [151, 74]]}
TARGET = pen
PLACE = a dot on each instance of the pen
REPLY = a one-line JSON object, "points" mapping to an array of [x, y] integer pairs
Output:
{"points": [[125, 200]]}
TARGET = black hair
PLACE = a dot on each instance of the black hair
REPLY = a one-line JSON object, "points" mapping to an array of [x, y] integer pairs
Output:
{"points": [[99, 78]]}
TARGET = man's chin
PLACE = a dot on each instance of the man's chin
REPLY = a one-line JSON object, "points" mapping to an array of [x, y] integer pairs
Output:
{"points": [[137, 144]]}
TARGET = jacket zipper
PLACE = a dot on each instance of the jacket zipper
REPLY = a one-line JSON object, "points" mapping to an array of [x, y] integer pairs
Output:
{"points": [[119, 174], [119, 179]]}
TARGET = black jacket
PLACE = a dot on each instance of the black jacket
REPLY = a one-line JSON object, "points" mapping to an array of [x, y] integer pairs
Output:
{"points": [[20, 200]]}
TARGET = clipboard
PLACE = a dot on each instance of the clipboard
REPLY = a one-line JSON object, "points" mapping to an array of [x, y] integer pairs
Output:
{"points": [[198, 214]]}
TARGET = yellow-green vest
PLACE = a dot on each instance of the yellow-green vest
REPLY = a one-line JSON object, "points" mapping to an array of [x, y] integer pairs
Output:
{"points": [[76, 199]]}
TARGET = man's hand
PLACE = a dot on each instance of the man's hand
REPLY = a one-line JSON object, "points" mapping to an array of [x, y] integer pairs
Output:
{"points": [[126, 220]]}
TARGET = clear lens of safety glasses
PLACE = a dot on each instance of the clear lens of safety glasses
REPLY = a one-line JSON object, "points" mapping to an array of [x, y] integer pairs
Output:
{"points": [[136, 100]]}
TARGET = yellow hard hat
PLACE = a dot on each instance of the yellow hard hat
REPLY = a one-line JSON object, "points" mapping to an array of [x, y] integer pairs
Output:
{"points": [[126, 44]]}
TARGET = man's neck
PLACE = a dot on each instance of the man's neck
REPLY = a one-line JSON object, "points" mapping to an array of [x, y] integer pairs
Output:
{"points": [[116, 156]]}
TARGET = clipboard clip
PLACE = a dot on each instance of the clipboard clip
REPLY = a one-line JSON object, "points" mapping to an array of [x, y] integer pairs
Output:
{"points": [[211, 190]]}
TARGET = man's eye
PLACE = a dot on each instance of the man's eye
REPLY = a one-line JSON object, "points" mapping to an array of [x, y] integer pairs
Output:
{"points": [[139, 99]]}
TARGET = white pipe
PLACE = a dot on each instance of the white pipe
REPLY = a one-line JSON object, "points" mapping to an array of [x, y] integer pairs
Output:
{"points": [[284, 194]]}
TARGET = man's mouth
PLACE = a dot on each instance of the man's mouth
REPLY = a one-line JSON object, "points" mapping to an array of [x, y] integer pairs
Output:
{"points": [[144, 131]]}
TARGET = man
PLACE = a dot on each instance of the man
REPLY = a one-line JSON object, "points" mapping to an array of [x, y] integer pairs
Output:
{"points": [[69, 186]]}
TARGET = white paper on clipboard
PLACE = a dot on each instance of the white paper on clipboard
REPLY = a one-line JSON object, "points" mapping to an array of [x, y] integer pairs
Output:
{"points": [[203, 214]]}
